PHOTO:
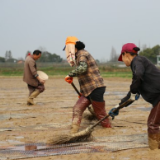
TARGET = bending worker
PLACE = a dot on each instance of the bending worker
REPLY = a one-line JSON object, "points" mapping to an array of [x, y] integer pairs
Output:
{"points": [[91, 83], [146, 82], [30, 76]]}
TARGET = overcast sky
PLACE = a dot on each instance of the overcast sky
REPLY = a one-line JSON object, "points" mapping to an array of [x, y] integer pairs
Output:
{"points": [[100, 24]]}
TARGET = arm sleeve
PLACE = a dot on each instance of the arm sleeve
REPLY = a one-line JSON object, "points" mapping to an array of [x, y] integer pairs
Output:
{"points": [[82, 68], [138, 72], [33, 69], [125, 98]]}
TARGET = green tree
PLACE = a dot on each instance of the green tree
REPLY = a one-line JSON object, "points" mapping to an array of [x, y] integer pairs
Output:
{"points": [[56, 58], [151, 53], [11, 60], [48, 57], [45, 57], [2, 59]]}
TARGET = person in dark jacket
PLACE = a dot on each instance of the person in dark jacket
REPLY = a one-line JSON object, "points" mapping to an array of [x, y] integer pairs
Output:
{"points": [[146, 82]]}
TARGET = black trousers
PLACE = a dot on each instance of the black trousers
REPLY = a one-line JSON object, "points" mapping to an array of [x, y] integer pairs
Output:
{"points": [[40, 87], [97, 94]]}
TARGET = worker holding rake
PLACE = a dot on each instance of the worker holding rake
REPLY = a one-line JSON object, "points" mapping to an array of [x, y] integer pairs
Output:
{"points": [[146, 82], [91, 83]]}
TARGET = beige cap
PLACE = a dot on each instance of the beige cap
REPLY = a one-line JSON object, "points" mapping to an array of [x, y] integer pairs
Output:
{"points": [[42, 75]]}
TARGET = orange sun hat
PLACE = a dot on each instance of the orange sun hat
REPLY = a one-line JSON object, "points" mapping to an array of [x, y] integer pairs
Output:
{"points": [[70, 40]]}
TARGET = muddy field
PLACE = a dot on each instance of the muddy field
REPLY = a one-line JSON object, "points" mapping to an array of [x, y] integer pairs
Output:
{"points": [[22, 125]]}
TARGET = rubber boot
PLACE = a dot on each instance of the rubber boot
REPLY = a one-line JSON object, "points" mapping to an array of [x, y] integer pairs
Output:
{"points": [[91, 110], [99, 110], [78, 110], [154, 141], [74, 128], [154, 127], [32, 96]]}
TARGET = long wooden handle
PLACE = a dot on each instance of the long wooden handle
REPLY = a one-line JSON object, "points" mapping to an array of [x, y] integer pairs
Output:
{"points": [[129, 101], [75, 89]]}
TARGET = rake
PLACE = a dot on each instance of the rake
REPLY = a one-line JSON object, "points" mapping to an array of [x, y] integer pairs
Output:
{"points": [[84, 135]]}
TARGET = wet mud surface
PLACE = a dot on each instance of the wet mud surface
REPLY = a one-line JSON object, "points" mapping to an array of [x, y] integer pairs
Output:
{"points": [[30, 127]]}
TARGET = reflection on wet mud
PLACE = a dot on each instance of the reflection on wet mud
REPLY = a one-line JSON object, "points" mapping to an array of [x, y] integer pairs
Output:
{"points": [[30, 147], [143, 108]]}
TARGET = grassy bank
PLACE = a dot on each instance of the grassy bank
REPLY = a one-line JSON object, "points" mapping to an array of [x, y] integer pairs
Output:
{"points": [[60, 70]]}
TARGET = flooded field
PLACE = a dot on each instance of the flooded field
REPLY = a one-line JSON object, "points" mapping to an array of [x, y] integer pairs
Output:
{"points": [[25, 130]]}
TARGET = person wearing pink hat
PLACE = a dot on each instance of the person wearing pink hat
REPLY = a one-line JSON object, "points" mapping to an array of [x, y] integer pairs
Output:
{"points": [[145, 82]]}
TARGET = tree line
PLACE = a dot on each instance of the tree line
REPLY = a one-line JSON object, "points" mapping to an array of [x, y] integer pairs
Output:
{"points": [[45, 57], [150, 53]]}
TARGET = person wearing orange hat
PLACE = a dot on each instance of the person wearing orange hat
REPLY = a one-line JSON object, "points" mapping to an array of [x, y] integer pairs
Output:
{"points": [[145, 82], [91, 83]]}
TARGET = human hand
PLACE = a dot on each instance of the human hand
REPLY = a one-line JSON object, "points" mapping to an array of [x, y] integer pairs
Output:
{"points": [[69, 79], [113, 113], [80, 94], [40, 80]]}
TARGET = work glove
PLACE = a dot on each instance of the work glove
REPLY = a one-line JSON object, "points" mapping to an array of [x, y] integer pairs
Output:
{"points": [[113, 114], [131, 96], [69, 79], [80, 95]]}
